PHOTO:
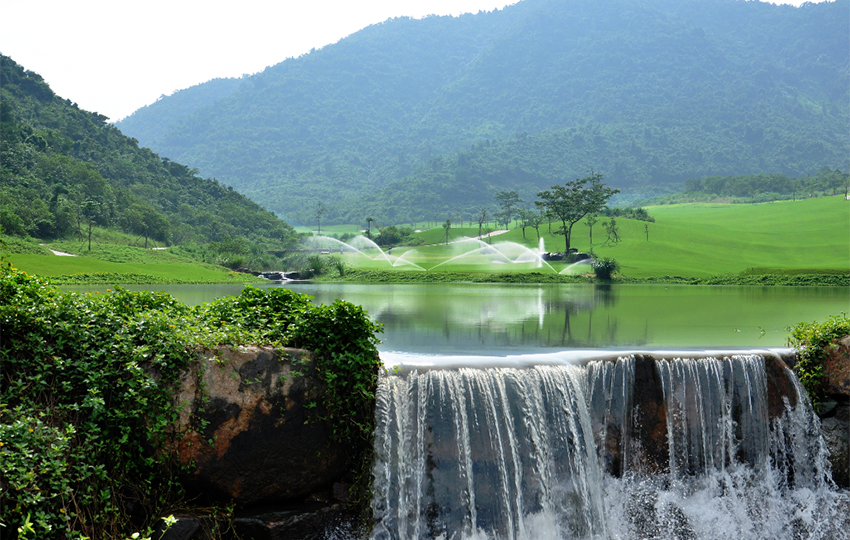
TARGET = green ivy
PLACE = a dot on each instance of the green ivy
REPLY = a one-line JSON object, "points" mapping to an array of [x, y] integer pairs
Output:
{"points": [[814, 342], [341, 336], [86, 394]]}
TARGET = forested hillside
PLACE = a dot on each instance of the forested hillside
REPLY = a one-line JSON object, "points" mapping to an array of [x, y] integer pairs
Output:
{"points": [[64, 169], [410, 119]]}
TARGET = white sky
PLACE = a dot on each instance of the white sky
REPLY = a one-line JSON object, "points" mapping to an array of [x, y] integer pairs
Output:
{"points": [[115, 56]]}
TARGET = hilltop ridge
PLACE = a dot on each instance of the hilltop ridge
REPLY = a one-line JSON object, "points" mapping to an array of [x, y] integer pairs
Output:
{"points": [[410, 119]]}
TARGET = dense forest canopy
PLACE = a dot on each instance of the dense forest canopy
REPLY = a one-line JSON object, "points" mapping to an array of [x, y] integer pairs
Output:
{"points": [[64, 169], [412, 119]]}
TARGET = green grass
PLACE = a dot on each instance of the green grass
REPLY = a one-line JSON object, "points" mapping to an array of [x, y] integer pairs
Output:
{"points": [[706, 239], [64, 269], [438, 235], [108, 263], [698, 240], [689, 240]]}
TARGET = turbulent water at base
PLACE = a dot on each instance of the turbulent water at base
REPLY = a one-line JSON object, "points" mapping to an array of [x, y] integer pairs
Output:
{"points": [[552, 452]]}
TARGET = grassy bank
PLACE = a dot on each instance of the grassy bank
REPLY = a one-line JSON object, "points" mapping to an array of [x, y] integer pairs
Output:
{"points": [[115, 264], [788, 279], [803, 242], [693, 240]]}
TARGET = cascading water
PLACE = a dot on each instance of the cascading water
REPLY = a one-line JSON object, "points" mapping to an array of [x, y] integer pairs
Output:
{"points": [[636, 447]]}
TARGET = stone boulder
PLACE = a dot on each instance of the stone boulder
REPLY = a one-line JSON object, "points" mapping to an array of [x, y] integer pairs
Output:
{"points": [[835, 410], [250, 429], [837, 370]]}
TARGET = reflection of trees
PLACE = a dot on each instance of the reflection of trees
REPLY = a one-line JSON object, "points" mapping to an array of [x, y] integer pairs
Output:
{"points": [[480, 316], [604, 294], [574, 310]]}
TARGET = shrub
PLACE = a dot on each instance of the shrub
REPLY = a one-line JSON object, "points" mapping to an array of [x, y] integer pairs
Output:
{"points": [[315, 265], [604, 267], [340, 266], [87, 387], [75, 372], [814, 342]]}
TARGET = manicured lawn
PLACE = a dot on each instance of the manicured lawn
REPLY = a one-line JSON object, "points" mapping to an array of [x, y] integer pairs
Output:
{"points": [[685, 240], [689, 240], [707, 239], [170, 272]]}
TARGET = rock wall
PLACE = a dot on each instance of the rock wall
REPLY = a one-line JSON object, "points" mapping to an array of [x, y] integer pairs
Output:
{"points": [[835, 411], [250, 430], [249, 427], [633, 435]]}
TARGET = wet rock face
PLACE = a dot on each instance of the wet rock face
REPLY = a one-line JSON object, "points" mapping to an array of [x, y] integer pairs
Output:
{"points": [[837, 370], [249, 429], [835, 411], [649, 428], [780, 387], [634, 417], [836, 435]]}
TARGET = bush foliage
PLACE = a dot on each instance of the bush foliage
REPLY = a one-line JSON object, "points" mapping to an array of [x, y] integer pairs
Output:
{"points": [[814, 342], [86, 393], [604, 268]]}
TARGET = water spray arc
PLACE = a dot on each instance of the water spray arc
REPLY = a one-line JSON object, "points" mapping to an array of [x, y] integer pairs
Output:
{"points": [[369, 245], [479, 253]]}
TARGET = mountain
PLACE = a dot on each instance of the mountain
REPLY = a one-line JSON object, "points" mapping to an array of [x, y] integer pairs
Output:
{"points": [[412, 119], [62, 167]]}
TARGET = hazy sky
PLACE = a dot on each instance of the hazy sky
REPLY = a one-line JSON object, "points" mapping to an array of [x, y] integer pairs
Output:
{"points": [[115, 56]]}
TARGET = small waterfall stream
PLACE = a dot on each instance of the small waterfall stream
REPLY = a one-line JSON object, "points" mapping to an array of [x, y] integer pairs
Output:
{"points": [[632, 447]]}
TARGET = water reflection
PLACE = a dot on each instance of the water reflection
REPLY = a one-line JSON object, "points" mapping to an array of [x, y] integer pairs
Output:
{"points": [[500, 319], [489, 319]]}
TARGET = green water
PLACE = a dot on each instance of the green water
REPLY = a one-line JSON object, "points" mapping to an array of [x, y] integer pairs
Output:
{"points": [[500, 319]]}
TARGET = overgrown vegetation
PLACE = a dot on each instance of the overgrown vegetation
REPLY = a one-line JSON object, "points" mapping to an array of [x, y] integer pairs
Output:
{"points": [[814, 341], [67, 171], [86, 394]]}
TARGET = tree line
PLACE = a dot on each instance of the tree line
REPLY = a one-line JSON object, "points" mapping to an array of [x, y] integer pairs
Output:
{"points": [[761, 187]]}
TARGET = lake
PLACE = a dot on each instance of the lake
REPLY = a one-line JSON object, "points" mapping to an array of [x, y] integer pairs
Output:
{"points": [[501, 319]]}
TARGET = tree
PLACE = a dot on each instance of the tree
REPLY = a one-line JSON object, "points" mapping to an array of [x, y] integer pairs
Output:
{"points": [[89, 210], [482, 217], [535, 221], [526, 219], [508, 200], [611, 229], [447, 225], [574, 200], [369, 221], [146, 222], [590, 222], [320, 211]]}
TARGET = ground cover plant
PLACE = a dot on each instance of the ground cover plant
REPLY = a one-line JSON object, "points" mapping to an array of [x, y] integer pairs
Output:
{"points": [[85, 394], [535, 276]]}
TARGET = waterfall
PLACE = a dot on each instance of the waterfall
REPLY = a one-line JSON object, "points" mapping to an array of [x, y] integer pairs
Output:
{"points": [[636, 447]]}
